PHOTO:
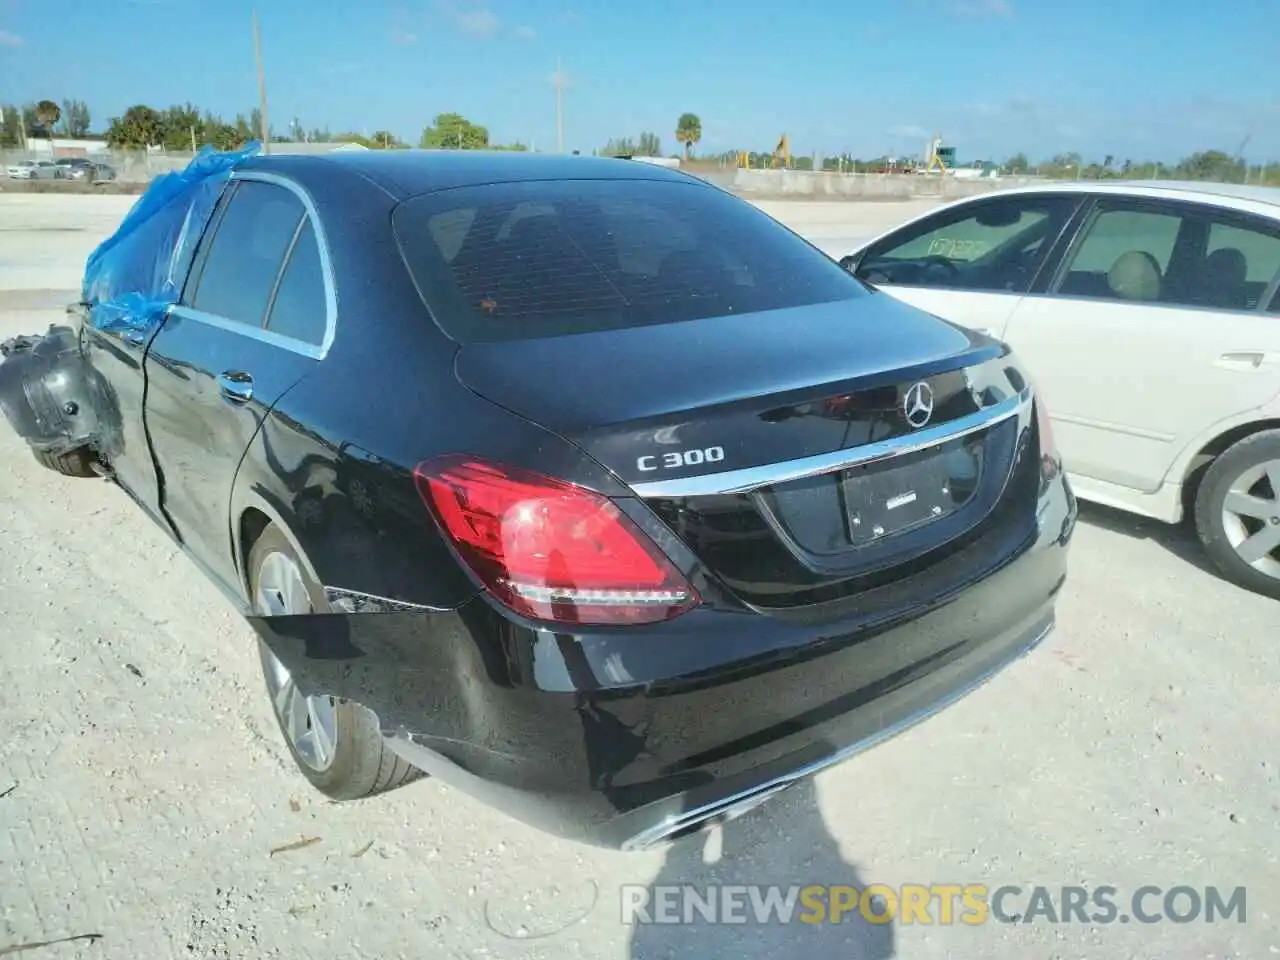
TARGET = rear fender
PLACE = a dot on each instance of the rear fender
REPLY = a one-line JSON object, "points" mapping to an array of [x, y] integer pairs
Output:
{"points": [[247, 498], [365, 561], [1200, 449]]}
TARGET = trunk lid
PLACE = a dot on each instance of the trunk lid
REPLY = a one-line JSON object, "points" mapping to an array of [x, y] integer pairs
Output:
{"points": [[723, 424], [605, 390]]}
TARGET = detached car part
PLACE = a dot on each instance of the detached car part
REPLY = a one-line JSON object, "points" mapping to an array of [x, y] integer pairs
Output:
{"points": [[57, 402]]}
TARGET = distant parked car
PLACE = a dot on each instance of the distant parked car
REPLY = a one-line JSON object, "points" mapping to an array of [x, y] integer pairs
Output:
{"points": [[1150, 315], [68, 165], [94, 173], [33, 170], [84, 169]]}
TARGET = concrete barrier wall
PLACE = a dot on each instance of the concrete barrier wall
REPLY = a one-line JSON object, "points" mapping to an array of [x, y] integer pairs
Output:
{"points": [[861, 186]]}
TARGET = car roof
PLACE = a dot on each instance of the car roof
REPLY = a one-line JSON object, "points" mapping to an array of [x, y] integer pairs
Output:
{"points": [[1236, 196], [406, 173]]}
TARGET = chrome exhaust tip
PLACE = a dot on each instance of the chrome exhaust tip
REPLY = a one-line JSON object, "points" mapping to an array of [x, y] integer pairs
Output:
{"points": [[703, 818]]}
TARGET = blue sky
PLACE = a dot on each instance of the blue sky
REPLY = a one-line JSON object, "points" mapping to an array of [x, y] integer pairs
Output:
{"points": [[1131, 78]]}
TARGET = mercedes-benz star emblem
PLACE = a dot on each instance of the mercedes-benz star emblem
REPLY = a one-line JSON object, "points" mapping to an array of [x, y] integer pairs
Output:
{"points": [[917, 404]]}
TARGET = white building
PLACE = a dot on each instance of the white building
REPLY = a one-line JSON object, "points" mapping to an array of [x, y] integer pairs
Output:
{"points": [[65, 147]]}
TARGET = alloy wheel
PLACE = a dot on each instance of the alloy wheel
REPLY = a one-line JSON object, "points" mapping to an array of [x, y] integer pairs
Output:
{"points": [[1251, 517], [309, 722]]}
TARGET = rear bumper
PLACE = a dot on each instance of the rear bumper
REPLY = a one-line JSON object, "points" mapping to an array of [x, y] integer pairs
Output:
{"points": [[616, 738]]}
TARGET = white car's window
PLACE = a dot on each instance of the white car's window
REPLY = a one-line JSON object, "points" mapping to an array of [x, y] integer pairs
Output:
{"points": [[964, 241], [992, 246], [1182, 256], [1260, 251], [1116, 232], [1238, 267]]}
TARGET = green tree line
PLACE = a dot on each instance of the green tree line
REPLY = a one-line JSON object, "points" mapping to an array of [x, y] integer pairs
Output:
{"points": [[646, 145], [1215, 165], [185, 127], [1209, 165]]}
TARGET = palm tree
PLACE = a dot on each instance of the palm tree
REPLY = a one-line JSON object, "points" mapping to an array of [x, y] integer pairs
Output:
{"points": [[688, 131], [48, 113]]}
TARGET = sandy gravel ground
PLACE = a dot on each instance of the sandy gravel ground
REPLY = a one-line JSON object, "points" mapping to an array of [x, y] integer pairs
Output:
{"points": [[145, 796]]}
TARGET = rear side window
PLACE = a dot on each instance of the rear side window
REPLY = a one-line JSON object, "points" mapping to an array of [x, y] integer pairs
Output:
{"points": [[1116, 232], [521, 260], [300, 309], [1259, 253], [247, 251]]}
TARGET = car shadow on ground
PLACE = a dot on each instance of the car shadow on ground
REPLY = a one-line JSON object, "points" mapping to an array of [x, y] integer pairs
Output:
{"points": [[1179, 539], [786, 844]]}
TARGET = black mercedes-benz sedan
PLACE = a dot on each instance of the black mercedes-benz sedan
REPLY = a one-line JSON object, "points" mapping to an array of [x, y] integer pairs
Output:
{"points": [[581, 484]]}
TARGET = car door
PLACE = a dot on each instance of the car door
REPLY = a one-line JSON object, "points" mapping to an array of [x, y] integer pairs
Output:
{"points": [[970, 263], [1151, 332], [256, 316], [116, 354]]}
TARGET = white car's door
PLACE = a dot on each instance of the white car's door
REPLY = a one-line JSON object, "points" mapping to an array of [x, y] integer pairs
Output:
{"points": [[969, 262], [1151, 332]]}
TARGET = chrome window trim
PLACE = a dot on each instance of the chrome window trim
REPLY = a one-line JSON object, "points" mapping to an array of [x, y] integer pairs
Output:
{"points": [[284, 266], [752, 478], [244, 329], [1268, 295], [303, 347]]}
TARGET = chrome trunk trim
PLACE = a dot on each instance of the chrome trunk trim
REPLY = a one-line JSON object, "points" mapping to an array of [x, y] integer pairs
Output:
{"points": [[753, 478]]}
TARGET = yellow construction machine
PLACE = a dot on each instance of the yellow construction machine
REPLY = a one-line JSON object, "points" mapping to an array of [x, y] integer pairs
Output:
{"points": [[781, 155], [939, 156]]}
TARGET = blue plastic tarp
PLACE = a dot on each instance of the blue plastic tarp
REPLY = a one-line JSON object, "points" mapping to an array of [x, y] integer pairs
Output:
{"points": [[136, 274]]}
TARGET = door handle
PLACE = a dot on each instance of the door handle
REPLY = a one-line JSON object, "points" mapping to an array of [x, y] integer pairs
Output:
{"points": [[236, 387], [1246, 360]]}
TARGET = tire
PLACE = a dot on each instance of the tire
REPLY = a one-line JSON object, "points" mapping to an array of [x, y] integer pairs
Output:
{"points": [[75, 463], [1242, 467], [359, 764]]}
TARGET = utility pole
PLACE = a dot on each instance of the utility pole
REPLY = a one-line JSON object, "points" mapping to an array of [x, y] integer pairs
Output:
{"points": [[559, 107], [262, 86], [22, 127], [1240, 155]]}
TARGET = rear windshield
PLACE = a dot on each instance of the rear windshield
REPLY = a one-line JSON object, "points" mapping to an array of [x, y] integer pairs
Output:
{"points": [[520, 260]]}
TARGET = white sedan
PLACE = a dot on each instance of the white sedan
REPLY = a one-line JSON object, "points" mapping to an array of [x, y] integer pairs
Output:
{"points": [[33, 170], [1149, 316]]}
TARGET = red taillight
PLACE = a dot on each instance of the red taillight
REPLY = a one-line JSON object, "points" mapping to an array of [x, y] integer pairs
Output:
{"points": [[551, 550]]}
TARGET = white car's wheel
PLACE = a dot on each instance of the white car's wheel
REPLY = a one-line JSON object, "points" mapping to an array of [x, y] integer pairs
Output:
{"points": [[1238, 513]]}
